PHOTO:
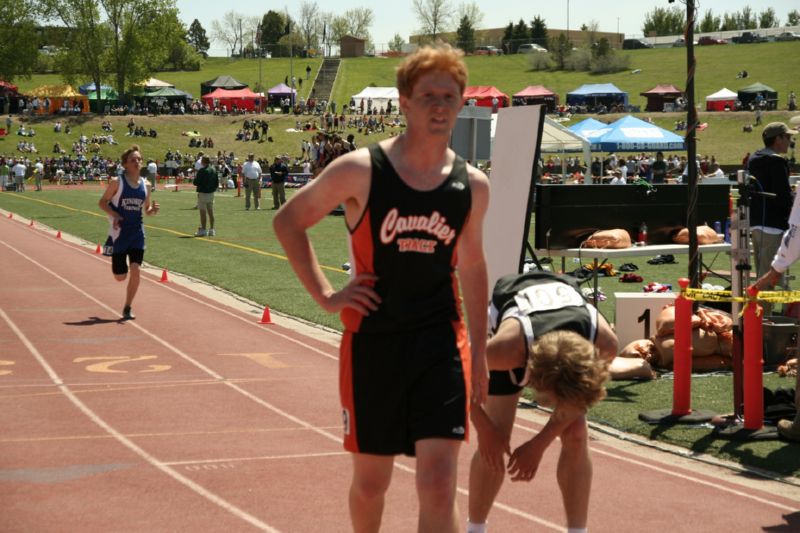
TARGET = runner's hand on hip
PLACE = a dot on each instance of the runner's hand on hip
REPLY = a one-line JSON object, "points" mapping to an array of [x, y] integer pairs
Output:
{"points": [[358, 294]]}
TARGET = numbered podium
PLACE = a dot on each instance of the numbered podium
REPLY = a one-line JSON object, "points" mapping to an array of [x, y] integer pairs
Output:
{"points": [[636, 314]]}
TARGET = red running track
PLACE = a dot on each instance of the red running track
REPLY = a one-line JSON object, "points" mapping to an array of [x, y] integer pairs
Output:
{"points": [[194, 417]]}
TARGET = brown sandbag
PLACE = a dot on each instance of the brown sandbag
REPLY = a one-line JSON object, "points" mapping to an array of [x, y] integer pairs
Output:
{"points": [[630, 368], [665, 323], [613, 239], [705, 235], [638, 349], [704, 344]]}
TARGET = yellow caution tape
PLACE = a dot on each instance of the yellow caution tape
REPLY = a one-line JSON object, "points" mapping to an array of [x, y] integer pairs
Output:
{"points": [[776, 297]]}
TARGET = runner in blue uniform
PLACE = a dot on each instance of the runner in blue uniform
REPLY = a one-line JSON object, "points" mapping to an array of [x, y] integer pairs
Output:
{"points": [[125, 200]]}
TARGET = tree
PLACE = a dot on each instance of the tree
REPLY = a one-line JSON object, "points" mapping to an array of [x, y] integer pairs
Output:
{"points": [[353, 22], [18, 52], [466, 35], [273, 27], [507, 35], [793, 18], [560, 49], [591, 31], [539, 31], [434, 16], [396, 44], [729, 22], [229, 30], [472, 12], [768, 19], [308, 23], [747, 19], [141, 33], [196, 36], [520, 35], [710, 23], [602, 49], [664, 21]]}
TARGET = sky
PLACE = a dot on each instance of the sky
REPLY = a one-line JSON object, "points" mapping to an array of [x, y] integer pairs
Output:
{"points": [[625, 16]]}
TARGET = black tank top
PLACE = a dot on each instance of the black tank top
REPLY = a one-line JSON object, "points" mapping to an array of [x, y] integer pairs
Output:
{"points": [[408, 239], [549, 301]]}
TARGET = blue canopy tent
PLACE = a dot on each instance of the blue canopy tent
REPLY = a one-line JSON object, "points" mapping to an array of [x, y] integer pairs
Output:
{"points": [[630, 134], [594, 95], [591, 130]]}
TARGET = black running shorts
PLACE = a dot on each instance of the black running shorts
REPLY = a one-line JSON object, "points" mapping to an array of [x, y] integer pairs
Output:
{"points": [[505, 382], [119, 261], [398, 388]]}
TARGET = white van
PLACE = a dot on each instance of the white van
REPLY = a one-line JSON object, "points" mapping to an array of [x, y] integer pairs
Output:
{"points": [[530, 48]]}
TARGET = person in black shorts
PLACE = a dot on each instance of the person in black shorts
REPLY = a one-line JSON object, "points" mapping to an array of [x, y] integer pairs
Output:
{"points": [[409, 366], [545, 336]]}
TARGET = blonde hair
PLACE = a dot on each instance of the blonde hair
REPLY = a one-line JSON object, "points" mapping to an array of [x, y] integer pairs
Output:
{"points": [[567, 364], [126, 154], [438, 58]]}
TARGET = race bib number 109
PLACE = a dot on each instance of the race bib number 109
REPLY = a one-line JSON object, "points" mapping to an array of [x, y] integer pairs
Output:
{"points": [[547, 297]]}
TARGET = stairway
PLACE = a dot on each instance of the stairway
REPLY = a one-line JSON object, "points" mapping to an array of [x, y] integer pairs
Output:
{"points": [[323, 84]]}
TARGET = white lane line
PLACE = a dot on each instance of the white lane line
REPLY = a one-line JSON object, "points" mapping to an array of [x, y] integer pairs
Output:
{"points": [[679, 475], [171, 472], [259, 458]]}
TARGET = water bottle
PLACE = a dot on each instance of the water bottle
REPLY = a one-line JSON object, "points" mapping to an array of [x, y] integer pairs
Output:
{"points": [[642, 234], [717, 227], [728, 230]]}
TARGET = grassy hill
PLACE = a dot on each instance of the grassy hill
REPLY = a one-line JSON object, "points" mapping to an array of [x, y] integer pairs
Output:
{"points": [[775, 64]]}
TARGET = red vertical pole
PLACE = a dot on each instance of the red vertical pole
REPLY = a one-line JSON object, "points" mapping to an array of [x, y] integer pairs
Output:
{"points": [[753, 365], [682, 365]]}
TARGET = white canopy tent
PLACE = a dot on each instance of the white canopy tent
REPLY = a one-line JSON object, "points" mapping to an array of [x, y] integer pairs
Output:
{"points": [[381, 96], [558, 139]]}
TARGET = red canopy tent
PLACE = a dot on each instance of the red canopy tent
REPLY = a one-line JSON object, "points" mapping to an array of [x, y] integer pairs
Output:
{"points": [[241, 98], [537, 94], [660, 95], [483, 95]]}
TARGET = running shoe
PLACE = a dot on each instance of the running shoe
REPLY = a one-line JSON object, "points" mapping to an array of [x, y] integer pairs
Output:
{"points": [[201, 232], [127, 314], [212, 232]]}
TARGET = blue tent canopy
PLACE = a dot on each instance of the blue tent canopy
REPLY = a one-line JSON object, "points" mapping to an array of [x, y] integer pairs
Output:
{"points": [[594, 93], [630, 134], [590, 129]]}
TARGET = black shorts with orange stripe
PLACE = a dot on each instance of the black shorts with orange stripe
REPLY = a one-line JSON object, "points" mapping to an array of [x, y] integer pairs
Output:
{"points": [[399, 388]]}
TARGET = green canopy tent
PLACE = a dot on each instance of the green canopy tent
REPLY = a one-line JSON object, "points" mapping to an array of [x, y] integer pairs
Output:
{"points": [[107, 96], [750, 94]]}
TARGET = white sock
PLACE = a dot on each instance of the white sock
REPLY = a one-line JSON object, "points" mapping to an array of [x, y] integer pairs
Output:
{"points": [[476, 528], [577, 530]]}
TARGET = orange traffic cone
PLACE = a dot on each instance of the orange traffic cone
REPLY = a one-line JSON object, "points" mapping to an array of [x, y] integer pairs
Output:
{"points": [[98, 249], [164, 278], [265, 318], [11, 215], [58, 235]]}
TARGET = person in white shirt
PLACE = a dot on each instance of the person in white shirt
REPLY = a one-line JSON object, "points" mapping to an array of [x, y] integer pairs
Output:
{"points": [[38, 172], [152, 172], [716, 172], [19, 175], [252, 179], [618, 180]]}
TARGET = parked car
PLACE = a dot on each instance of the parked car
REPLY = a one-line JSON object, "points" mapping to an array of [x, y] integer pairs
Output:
{"points": [[530, 48], [749, 37], [681, 42], [788, 36], [635, 44], [488, 51], [711, 40]]}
